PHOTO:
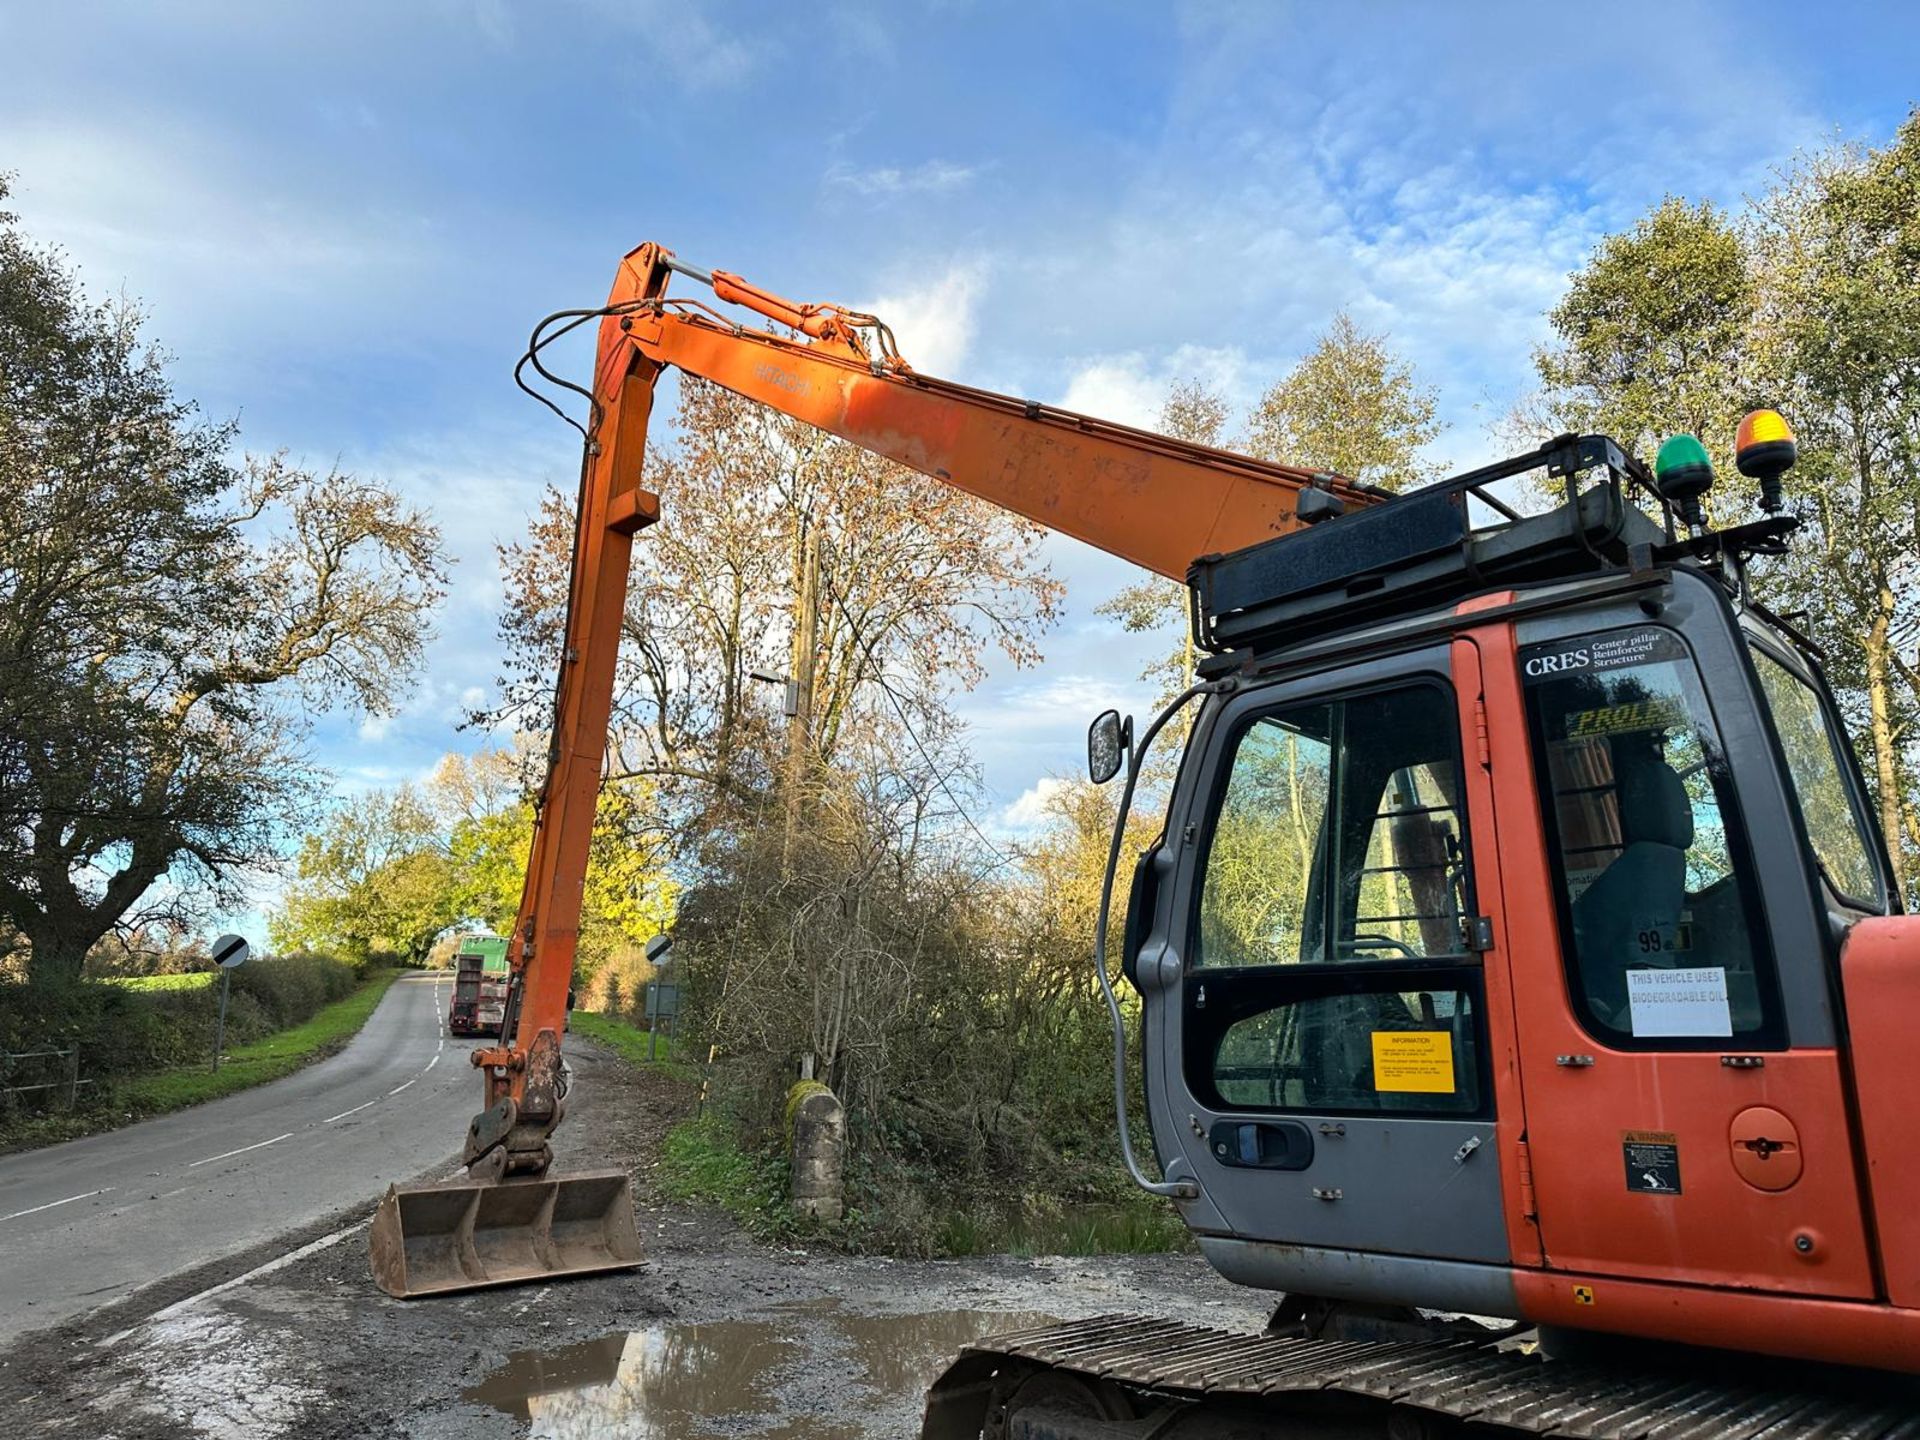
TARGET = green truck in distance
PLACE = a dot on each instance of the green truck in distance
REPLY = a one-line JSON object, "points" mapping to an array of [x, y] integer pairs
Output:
{"points": [[479, 986]]}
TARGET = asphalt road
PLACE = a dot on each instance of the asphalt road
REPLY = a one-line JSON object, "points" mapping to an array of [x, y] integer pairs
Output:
{"points": [[85, 1223]]}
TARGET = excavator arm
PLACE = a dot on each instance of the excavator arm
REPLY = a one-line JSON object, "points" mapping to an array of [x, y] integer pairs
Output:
{"points": [[1158, 502]]}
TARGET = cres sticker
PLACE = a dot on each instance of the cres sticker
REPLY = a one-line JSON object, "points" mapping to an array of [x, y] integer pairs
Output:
{"points": [[1596, 654]]}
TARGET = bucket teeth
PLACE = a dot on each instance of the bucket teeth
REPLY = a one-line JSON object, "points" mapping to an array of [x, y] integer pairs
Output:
{"points": [[434, 1239]]}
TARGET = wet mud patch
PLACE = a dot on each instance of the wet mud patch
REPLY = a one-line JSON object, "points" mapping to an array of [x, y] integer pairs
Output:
{"points": [[691, 1381]]}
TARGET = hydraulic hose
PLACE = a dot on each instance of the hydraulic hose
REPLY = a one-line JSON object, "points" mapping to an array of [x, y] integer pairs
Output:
{"points": [[1136, 761]]}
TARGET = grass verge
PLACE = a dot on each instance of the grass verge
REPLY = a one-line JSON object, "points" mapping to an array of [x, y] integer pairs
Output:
{"points": [[703, 1160], [1123, 1229], [280, 1053], [630, 1042], [283, 1052]]}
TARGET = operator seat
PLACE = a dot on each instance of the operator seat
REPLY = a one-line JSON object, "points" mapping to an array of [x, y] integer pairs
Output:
{"points": [[1629, 915]]}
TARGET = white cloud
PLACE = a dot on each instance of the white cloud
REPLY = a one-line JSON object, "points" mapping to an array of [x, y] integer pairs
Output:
{"points": [[1034, 805], [1117, 388], [375, 727], [1132, 387], [888, 182], [1052, 704], [934, 322]]}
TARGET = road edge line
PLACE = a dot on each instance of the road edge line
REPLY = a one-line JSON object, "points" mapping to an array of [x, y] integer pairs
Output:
{"points": [[278, 1263]]}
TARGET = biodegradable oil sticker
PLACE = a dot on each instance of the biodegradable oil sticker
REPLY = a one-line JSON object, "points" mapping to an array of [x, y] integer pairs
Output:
{"points": [[1417, 1061], [1653, 1161], [1681, 1003]]}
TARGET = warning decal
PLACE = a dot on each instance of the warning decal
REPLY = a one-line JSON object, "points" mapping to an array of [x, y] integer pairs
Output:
{"points": [[1413, 1061], [1653, 1161]]}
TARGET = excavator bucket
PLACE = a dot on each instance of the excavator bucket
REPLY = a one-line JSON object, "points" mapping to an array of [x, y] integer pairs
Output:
{"points": [[433, 1239]]}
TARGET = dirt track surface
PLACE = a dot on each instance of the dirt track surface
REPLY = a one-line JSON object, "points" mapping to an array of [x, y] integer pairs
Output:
{"points": [[715, 1335]]}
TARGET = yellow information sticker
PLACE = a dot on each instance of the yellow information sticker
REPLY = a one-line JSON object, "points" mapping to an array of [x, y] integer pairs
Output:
{"points": [[1417, 1061]]}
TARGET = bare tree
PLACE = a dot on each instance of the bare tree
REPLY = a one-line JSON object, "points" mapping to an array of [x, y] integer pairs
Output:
{"points": [[919, 580]]}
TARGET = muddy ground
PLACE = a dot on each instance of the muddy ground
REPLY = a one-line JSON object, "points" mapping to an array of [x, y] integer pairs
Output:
{"points": [[715, 1335]]}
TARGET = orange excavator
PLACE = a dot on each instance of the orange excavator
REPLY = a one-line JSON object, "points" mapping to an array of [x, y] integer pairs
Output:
{"points": [[1519, 965]]}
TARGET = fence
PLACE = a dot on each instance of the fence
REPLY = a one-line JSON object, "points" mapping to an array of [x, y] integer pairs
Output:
{"points": [[67, 1075]]}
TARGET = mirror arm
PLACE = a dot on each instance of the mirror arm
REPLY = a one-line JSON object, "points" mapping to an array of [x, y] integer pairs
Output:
{"points": [[1136, 761]]}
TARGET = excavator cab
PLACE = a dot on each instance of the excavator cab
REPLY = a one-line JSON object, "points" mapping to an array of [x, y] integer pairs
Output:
{"points": [[1494, 958]]}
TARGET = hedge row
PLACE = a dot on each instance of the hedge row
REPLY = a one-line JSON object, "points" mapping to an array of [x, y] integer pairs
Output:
{"points": [[123, 1029]]}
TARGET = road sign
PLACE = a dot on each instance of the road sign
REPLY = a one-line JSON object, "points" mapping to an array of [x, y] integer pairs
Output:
{"points": [[229, 953]]}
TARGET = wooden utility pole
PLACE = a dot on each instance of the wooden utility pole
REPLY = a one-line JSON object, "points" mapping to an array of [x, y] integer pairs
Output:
{"points": [[806, 644]]}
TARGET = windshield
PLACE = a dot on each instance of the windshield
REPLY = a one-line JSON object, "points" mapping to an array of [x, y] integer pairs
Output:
{"points": [[1654, 889], [1812, 749]]}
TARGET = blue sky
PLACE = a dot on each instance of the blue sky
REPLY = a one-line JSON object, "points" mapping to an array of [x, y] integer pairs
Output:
{"points": [[343, 218]]}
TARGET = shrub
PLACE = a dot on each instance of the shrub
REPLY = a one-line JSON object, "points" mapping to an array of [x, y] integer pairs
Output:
{"points": [[290, 988]]}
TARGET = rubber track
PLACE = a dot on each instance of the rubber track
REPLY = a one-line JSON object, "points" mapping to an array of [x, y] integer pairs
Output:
{"points": [[1460, 1379]]}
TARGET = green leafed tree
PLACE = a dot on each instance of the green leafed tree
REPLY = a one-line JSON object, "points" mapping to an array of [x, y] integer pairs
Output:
{"points": [[1352, 406], [374, 878], [1838, 251], [169, 619], [391, 871], [1652, 336]]}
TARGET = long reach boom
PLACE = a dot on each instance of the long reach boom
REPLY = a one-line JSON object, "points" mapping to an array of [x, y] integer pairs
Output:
{"points": [[1158, 502]]}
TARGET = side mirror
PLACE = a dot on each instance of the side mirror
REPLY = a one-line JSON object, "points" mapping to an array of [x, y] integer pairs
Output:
{"points": [[1108, 740]]}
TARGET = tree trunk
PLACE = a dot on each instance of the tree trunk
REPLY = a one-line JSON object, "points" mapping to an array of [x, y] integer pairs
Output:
{"points": [[1880, 707], [56, 951]]}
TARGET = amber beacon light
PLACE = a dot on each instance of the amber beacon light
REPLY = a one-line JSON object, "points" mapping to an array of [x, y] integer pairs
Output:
{"points": [[1764, 450]]}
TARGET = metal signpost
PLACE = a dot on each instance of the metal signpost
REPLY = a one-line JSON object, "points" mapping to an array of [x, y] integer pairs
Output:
{"points": [[663, 998], [229, 953]]}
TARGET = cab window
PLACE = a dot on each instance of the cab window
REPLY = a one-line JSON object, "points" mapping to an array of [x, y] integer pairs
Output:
{"points": [[1338, 837], [1329, 966], [1652, 880], [1811, 745]]}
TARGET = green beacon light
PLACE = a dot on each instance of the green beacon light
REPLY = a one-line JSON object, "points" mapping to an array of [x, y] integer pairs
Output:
{"points": [[1685, 475]]}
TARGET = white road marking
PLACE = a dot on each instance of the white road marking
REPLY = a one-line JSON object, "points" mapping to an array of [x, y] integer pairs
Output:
{"points": [[241, 1151], [398, 1088], [431, 1063], [355, 1111], [277, 1264], [51, 1204]]}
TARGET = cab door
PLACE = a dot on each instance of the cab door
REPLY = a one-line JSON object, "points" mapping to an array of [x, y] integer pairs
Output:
{"points": [[1315, 996], [1687, 1117]]}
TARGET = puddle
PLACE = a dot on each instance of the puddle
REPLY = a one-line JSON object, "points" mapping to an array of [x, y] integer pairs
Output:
{"points": [[809, 1371]]}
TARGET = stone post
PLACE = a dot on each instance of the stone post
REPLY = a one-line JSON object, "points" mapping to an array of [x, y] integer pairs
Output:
{"points": [[817, 1124]]}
